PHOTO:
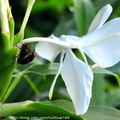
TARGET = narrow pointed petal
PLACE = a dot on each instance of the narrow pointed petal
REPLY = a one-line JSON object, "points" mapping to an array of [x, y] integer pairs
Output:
{"points": [[100, 18], [78, 81], [56, 76], [103, 45]]}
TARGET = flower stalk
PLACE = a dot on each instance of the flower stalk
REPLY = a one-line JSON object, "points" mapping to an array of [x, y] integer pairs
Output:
{"points": [[20, 35], [27, 14]]}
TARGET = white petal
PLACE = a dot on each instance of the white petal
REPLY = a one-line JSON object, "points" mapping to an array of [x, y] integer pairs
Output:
{"points": [[65, 37], [47, 51], [48, 48], [103, 45], [100, 18], [78, 81]]}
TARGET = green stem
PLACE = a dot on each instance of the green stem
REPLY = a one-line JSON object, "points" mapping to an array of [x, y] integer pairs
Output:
{"points": [[27, 14], [12, 86], [6, 70], [33, 86], [20, 35]]}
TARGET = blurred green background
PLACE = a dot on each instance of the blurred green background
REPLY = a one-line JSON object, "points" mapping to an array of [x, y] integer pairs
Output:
{"points": [[58, 17]]}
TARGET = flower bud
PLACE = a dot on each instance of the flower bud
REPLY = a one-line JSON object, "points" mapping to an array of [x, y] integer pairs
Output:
{"points": [[3, 17]]}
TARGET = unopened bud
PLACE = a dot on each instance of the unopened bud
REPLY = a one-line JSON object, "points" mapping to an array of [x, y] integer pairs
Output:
{"points": [[3, 17]]}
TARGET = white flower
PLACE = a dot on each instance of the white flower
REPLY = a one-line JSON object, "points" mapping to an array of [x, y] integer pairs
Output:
{"points": [[101, 44]]}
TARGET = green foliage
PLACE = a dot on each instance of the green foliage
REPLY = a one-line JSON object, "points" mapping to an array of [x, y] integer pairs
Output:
{"points": [[105, 71], [43, 69], [59, 108], [84, 13], [101, 113], [4, 43], [6, 70], [42, 5]]}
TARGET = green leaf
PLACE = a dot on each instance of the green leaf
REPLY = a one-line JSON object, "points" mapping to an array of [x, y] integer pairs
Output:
{"points": [[113, 98], [43, 69], [105, 71], [4, 43], [99, 3], [13, 84], [115, 69], [84, 13], [58, 108], [102, 113], [7, 61], [98, 93], [64, 27], [42, 5], [32, 84]]}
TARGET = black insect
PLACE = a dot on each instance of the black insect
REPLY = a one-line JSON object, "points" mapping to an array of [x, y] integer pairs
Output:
{"points": [[26, 54]]}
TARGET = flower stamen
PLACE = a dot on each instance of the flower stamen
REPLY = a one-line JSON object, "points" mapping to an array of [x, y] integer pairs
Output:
{"points": [[81, 51]]}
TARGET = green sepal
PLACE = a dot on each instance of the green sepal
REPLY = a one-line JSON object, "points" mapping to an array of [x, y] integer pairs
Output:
{"points": [[18, 37], [7, 61], [11, 27], [4, 43]]}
